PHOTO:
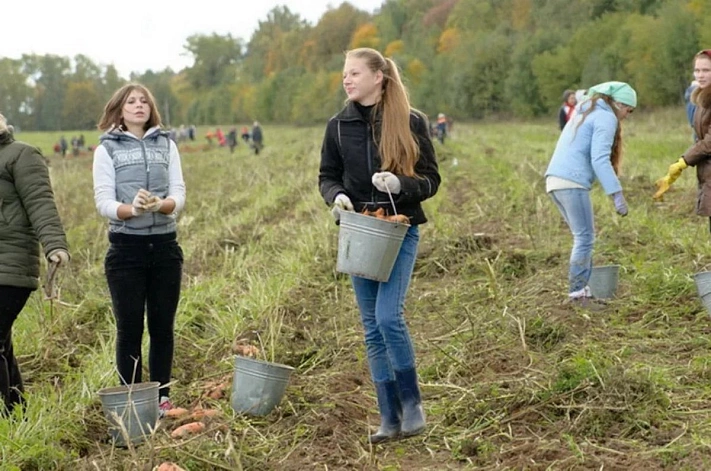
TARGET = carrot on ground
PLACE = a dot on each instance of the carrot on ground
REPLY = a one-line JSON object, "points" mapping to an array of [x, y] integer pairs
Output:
{"points": [[168, 466], [177, 412], [188, 429], [199, 414]]}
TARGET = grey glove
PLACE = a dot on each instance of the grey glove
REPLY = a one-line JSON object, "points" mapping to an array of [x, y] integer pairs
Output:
{"points": [[341, 203], [139, 202], [385, 181], [153, 204], [620, 203], [58, 256]]}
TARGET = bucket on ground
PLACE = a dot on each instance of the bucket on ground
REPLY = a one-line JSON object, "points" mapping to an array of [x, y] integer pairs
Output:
{"points": [[132, 411], [703, 286], [258, 386], [368, 246], [603, 281]]}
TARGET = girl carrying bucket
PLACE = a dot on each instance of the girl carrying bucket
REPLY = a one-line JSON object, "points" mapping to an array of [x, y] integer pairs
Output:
{"points": [[375, 148]]}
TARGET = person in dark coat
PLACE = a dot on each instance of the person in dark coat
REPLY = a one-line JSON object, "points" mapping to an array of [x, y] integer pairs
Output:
{"points": [[63, 146], [697, 155], [232, 139], [29, 218], [257, 137]]}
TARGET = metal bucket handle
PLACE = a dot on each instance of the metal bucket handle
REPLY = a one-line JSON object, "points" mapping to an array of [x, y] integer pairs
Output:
{"points": [[390, 195]]}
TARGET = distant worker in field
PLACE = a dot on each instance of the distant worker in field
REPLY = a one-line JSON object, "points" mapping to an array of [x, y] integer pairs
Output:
{"points": [[257, 137], [232, 139], [441, 128], [221, 141], [375, 148], [589, 149], [30, 218], [245, 134], [690, 106], [697, 155], [567, 108], [141, 199], [63, 146], [75, 146]]}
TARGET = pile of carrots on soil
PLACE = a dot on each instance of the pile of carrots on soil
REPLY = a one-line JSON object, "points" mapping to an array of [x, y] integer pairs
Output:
{"points": [[194, 421]]}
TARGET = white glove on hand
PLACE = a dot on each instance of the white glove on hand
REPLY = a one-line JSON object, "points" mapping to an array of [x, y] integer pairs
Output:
{"points": [[385, 181], [139, 202], [153, 205], [341, 203], [58, 256]]}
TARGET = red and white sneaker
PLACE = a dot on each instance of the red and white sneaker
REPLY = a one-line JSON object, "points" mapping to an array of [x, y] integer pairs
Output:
{"points": [[164, 405]]}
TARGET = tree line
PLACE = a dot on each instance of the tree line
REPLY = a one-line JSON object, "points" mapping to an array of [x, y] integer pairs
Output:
{"points": [[467, 58]]}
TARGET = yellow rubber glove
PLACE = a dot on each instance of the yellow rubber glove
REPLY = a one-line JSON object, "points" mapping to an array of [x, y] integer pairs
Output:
{"points": [[674, 172]]}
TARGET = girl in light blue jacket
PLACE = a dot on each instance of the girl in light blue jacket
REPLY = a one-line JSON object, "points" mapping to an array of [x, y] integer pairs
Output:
{"points": [[589, 149]]}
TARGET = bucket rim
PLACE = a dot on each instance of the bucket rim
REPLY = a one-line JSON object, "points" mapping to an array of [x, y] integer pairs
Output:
{"points": [[129, 388], [359, 215], [264, 362], [598, 267]]}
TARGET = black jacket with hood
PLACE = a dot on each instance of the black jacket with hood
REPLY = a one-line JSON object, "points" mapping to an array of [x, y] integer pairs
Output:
{"points": [[350, 157]]}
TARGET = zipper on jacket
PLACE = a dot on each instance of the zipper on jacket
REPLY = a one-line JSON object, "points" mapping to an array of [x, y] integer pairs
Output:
{"points": [[369, 157], [148, 180]]}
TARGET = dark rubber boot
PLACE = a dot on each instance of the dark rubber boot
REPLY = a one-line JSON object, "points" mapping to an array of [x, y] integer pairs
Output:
{"points": [[413, 414], [390, 412]]}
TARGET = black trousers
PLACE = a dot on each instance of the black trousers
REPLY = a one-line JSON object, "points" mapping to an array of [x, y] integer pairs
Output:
{"points": [[12, 300], [144, 274]]}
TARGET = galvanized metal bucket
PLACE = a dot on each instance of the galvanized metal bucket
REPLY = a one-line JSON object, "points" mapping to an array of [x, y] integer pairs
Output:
{"points": [[258, 386], [368, 246], [603, 281], [703, 286], [131, 410]]}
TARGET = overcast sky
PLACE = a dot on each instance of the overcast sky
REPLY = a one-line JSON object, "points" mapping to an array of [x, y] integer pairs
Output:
{"points": [[138, 35]]}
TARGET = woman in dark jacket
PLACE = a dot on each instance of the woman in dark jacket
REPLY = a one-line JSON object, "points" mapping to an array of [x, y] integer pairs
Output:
{"points": [[698, 154], [375, 146], [28, 216]]}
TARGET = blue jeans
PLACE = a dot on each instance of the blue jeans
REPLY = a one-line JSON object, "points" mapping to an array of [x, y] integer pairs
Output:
{"points": [[575, 206], [387, 339]]}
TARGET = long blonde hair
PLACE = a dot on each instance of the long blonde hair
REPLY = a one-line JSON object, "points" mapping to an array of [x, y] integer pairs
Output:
{"points": [[616, 153], [398, 148]]}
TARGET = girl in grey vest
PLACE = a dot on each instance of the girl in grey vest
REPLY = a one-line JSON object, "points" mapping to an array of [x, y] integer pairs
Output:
{"points": [[139, 187]]}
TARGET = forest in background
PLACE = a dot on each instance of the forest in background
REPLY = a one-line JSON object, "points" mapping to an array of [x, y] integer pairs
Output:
{"points": [[470, 59]]}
